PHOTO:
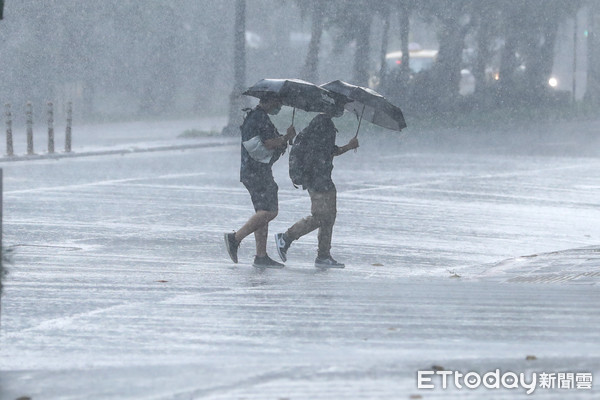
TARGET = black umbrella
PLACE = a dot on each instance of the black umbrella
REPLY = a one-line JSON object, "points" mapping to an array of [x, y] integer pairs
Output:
{"points": [[369, 105], [294, 93]]}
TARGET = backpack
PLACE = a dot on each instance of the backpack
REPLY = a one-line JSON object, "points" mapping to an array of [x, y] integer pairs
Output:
{"points": [[298, 159]]}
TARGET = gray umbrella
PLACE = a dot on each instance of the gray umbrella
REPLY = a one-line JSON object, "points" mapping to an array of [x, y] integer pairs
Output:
{"points": [[294, 93], [369, 105]]}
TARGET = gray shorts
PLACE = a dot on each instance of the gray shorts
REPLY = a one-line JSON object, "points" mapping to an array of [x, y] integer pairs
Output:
{"points": [[263, 195]]}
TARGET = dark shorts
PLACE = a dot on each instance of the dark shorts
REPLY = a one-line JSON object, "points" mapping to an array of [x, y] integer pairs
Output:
{"points": [[263, 195]]}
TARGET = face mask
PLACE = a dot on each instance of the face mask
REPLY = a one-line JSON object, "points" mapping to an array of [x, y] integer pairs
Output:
{"points": [[335, 113], [275, 111]]}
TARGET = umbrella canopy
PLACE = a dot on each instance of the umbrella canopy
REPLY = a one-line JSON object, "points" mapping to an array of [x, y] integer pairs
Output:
{"points": [[369, 105], [294, 93]]}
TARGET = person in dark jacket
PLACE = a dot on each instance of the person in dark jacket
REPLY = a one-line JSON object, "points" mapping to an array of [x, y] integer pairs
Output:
{"points": [[261, 146], [320, 136]]}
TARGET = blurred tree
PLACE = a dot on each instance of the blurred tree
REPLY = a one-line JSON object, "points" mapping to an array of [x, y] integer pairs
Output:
{"points": [[396, 84], [513, 20], [362, 19], [592, 93], [530, 31], [353, 18], [487, 19], [384, 9], [454, 22], [405, 9], [317, 10], [236, 100]]}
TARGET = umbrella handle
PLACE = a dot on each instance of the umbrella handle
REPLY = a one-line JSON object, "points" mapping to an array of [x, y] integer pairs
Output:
{"points": [[293, 115], [359, 121]]}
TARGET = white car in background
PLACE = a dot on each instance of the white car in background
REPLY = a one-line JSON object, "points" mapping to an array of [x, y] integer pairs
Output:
{"points": [[422, 60]]}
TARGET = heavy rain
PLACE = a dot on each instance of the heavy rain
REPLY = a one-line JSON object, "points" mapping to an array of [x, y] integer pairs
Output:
{"points": [[440, 239]]}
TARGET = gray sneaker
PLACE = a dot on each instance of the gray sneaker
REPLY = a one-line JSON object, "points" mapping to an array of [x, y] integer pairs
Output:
{"points": [[232, 246], [327, 262], [282, 245], [266, 262]]}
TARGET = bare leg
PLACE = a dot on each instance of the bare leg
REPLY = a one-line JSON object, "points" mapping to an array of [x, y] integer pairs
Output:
{"points": [[260, 236], [259, 225]]}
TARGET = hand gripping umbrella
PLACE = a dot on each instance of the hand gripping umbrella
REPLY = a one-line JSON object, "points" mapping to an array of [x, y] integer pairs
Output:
{"points": [[294, 93], [369, 105]]}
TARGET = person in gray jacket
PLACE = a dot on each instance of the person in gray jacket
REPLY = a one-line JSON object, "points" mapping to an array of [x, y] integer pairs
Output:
{"points": [[261, 147]]}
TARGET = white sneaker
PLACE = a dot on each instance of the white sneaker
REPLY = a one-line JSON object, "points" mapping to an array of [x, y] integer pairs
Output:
{"points": [[282, 246]]}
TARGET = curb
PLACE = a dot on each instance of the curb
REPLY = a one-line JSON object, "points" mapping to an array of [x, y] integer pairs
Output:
{"points": [[57, 156]]}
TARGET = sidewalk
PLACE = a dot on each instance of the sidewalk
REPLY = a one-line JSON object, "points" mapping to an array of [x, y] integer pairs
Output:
{"points": [[120, 138]]}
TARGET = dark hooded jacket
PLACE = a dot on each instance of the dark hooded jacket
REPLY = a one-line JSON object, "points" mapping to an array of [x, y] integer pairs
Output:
{"points": [[320, 136]]}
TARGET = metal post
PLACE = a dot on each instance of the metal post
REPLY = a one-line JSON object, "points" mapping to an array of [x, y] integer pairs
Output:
{"points": [[1, 252], [575, 28], [29, 113], [50, 128], [1, 205], [68, 129], [9, 138]]}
